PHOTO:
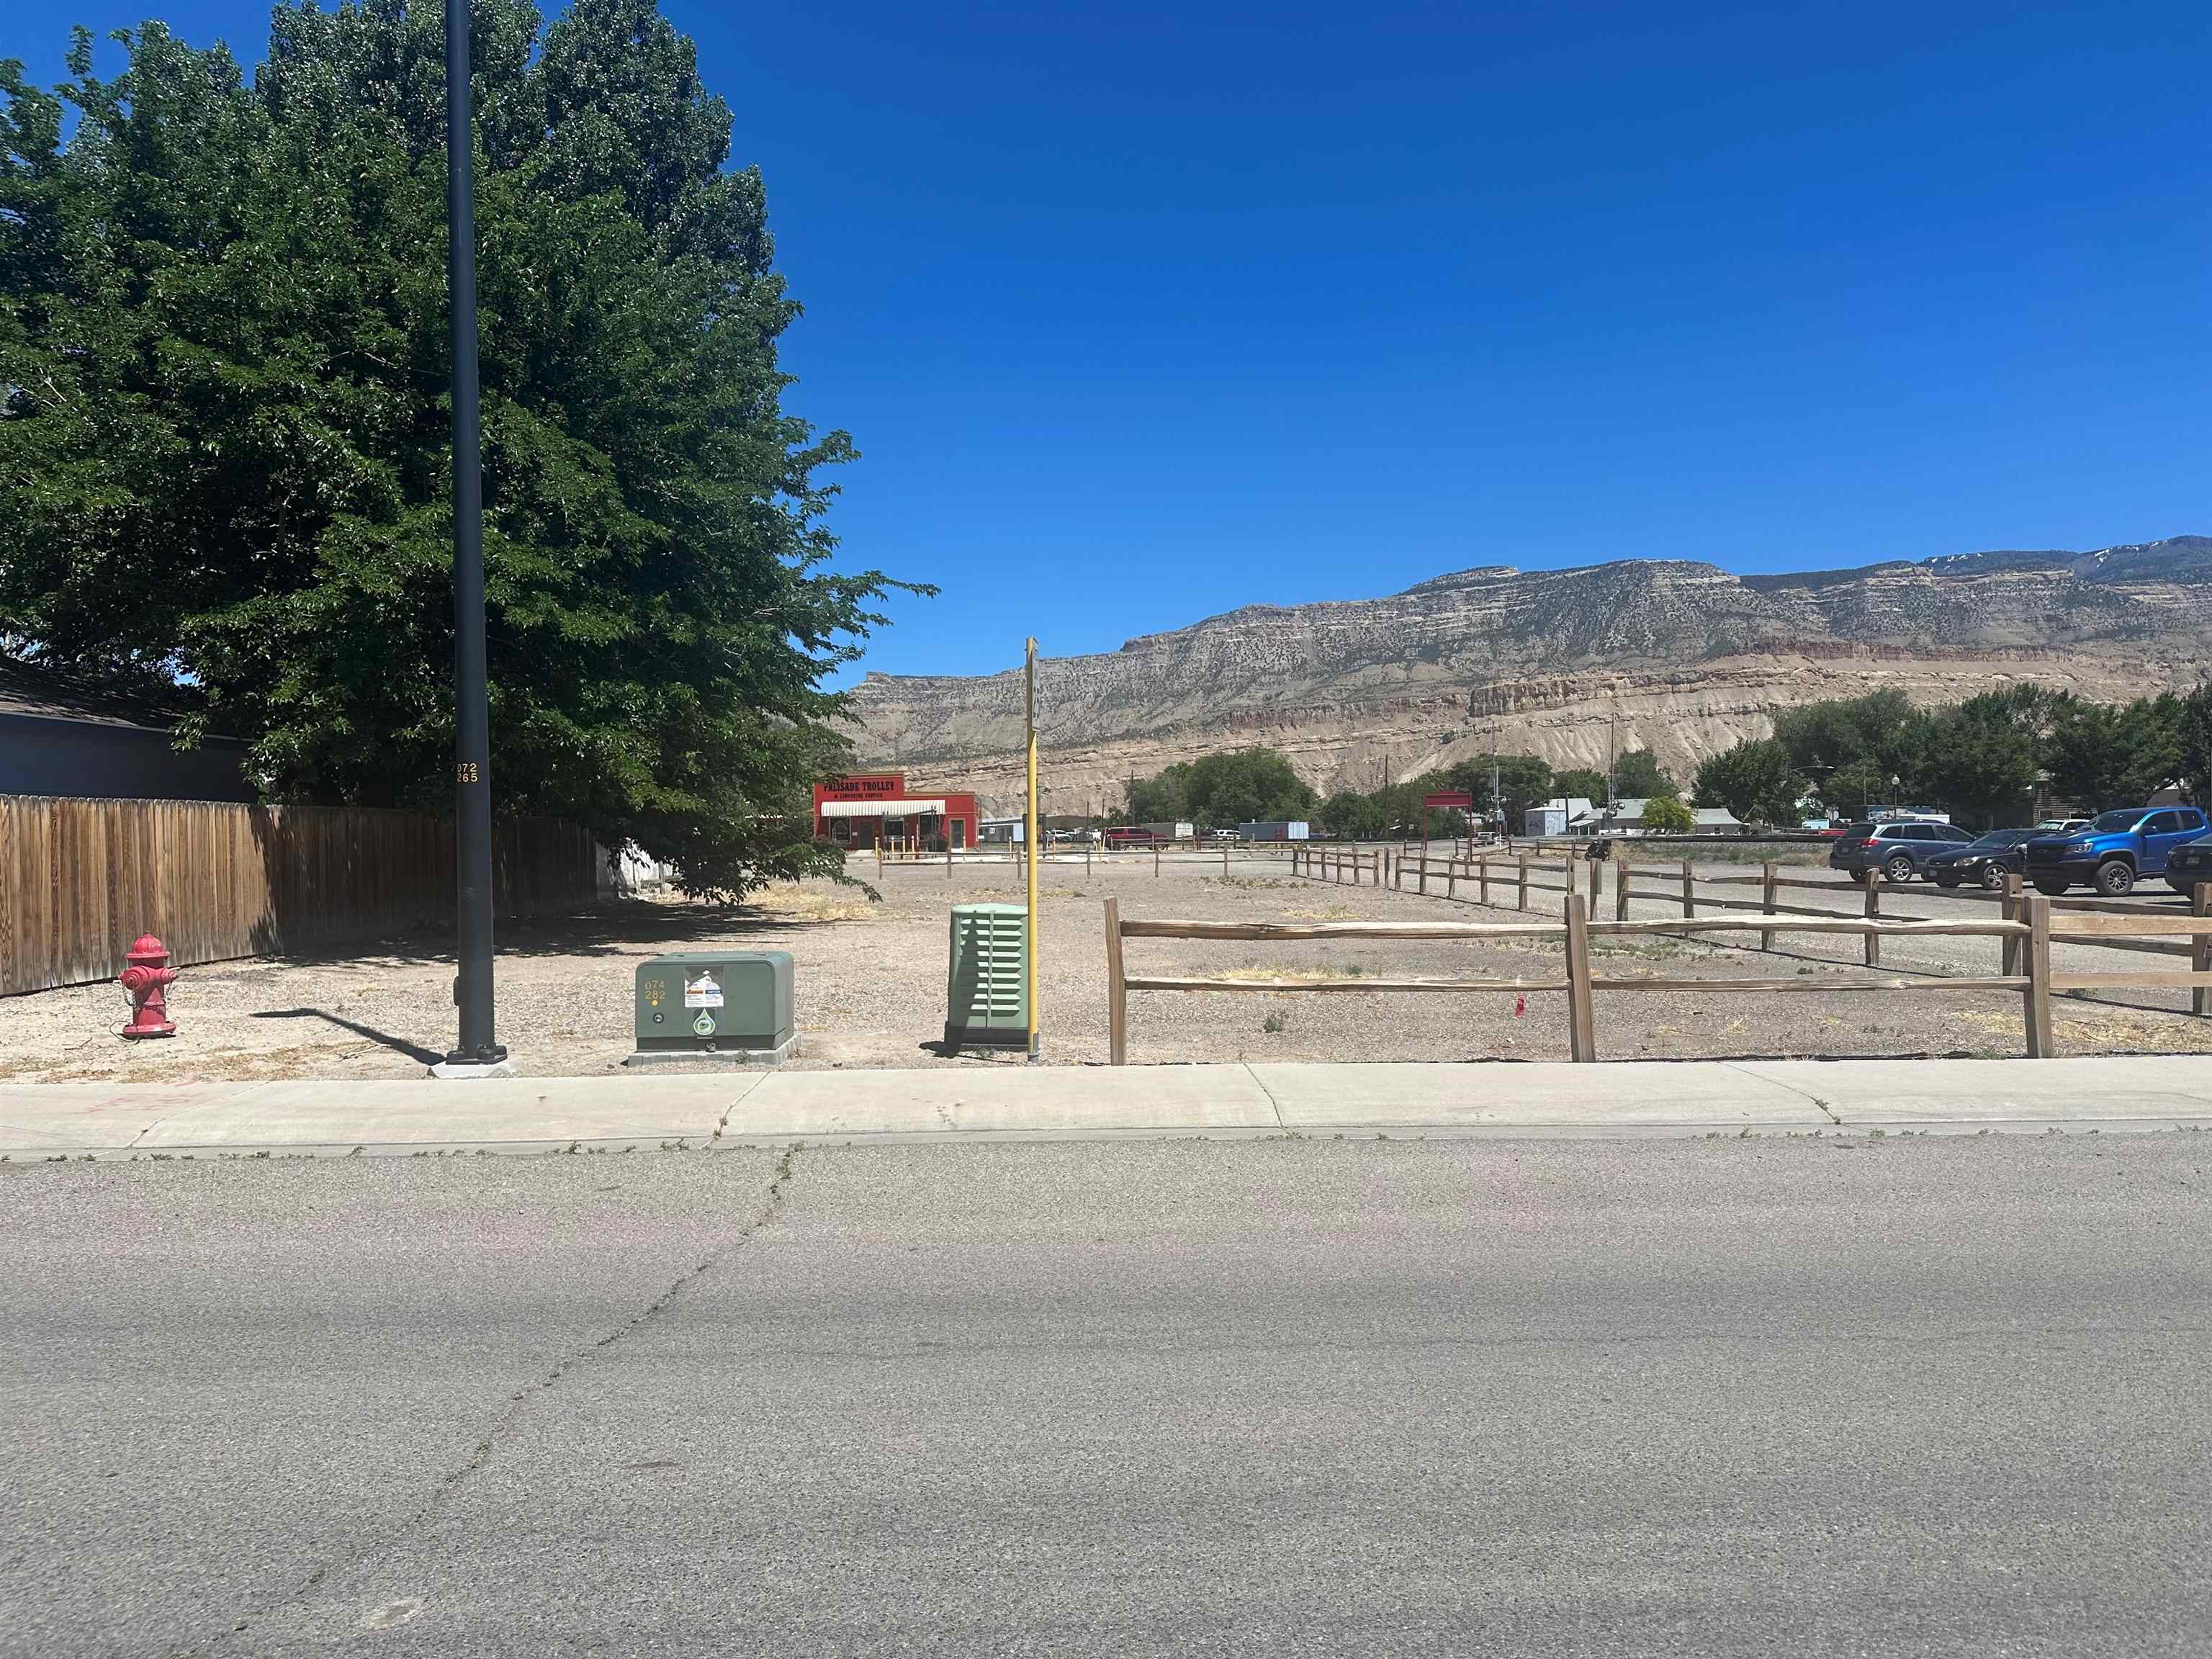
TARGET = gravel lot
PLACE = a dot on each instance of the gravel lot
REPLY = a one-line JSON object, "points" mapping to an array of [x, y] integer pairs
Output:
{"points": [[871, 987]]}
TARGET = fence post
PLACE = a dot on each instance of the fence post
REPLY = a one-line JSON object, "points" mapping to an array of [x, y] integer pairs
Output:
{"points": [[1156, 860], [1451, 879], [2037, 997], [1524, 883], [1379, 856], [1425, 871], [1117, 992], [2009, 907], [1689, 895], [1620, 885], [1767, 895], [2200, 955], [1582, 1023], [1874, 914], [1482, 877]]}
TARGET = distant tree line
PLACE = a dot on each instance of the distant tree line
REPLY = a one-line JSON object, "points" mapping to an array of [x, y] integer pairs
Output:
{"points": [[1981, 760], [1220, 791]]}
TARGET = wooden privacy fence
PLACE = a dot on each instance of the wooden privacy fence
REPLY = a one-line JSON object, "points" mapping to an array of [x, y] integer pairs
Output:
{"points": [[80, 879], [2033, 982]]}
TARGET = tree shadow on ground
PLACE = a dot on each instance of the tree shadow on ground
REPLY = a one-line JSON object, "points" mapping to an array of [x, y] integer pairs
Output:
{"points": [[610, 929]]}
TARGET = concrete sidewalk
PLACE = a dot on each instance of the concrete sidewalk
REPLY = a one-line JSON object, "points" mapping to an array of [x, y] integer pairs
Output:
{"points": [[1694, 1098]]}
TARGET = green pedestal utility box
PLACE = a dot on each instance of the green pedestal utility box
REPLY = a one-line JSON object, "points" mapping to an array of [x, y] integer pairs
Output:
{"points": [[987, 994], [715, 1005]]}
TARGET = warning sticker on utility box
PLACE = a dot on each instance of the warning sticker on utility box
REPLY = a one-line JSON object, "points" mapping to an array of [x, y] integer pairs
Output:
{"points": [[703, 993]]}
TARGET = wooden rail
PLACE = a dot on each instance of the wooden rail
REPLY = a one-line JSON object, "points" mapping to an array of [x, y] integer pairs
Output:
{"points": [[2027, 942], [1682, 881], [1336, 864]]}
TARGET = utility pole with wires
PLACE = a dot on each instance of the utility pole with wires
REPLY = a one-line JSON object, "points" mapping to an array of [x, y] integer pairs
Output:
{"points": [[1612, 751]]}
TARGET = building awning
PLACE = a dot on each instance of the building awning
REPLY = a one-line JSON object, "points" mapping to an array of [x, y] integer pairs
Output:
{"points": [[880, 809]]}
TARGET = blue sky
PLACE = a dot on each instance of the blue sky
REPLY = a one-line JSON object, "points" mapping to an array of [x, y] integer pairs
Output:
{"points": [[1137, 315]]}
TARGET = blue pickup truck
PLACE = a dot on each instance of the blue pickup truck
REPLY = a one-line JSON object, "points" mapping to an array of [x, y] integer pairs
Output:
{"points": [[2114, 851]]}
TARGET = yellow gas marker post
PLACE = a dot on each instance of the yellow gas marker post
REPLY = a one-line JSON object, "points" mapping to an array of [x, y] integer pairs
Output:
{"points": [[1029, 831]]}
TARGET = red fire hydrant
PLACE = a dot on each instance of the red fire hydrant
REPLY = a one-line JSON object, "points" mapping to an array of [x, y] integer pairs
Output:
{"points": [[147, 980]]}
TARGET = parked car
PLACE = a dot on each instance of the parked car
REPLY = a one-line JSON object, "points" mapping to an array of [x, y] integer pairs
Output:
{"points": [[1900, 848], [2053, 826], [2115, 850], [2188, 864], [1986, 860]]}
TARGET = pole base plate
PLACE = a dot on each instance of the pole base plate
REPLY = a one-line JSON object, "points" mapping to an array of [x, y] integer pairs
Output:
{"points": [[466, 1070]]}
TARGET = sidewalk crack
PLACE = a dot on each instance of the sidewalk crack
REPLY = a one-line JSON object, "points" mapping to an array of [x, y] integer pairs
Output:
{"points": [[1778, 1083], [1273, 1105], [743, 1095]]}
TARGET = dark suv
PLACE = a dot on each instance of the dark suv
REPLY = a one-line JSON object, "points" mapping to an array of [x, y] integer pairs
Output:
{"points": [[1900, 850]]}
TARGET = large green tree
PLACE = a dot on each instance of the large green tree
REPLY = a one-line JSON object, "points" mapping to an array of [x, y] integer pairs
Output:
{"points": [[2195, 737], [1853, 786], [1819, 738], [2100, 755], [1637, 775], [1523, 781], [224, 444], [1221, 791], [1756, 781], [1582, 780], [1977, 760], [1347, 815]]}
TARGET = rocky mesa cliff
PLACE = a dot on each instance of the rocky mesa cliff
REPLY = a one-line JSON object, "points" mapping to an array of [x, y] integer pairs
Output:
{"points": [[1681, 657]]}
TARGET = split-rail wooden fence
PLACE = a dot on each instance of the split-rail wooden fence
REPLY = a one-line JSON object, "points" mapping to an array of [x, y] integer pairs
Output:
{"points": [[2026, 926]]}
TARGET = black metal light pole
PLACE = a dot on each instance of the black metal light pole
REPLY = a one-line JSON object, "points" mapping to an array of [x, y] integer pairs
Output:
{"points": [[473, 986]]}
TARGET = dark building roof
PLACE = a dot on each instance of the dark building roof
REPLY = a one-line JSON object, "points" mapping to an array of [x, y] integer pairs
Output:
{"points": [[41, 692]]}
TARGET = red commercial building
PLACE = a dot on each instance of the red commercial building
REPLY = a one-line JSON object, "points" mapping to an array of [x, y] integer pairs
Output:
{"points": [[873, 809]]}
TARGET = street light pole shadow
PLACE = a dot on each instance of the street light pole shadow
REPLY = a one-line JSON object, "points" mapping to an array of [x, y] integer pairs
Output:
{"points": [[398, 1045]]}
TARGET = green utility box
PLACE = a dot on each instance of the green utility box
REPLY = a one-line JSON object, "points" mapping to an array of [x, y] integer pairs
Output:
{"points": [[987, 992], [715, 1005]]}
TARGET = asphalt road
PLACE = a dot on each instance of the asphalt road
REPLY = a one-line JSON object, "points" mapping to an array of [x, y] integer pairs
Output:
{"points": [[1278, 1398]]}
